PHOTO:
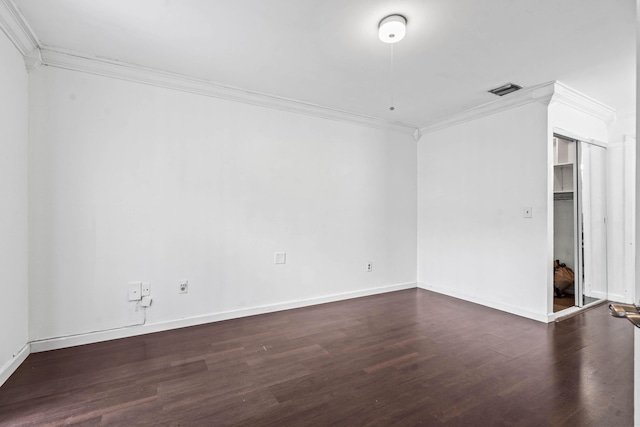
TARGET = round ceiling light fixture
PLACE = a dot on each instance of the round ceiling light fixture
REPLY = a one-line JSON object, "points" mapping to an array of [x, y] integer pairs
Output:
{"points": [[392, 28]]}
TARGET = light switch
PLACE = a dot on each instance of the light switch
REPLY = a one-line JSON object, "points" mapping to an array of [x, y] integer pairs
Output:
{"points": [[527, 212], [280, 258]]}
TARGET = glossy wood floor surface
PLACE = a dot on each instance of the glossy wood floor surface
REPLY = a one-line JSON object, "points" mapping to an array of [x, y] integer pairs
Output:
{"points": [[403, 358]]}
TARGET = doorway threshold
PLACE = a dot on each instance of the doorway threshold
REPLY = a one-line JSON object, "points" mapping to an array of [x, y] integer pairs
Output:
{"points": [[570, 312]]}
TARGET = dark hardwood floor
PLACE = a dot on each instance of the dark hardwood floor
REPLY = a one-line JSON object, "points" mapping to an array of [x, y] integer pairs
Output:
{"points": [[403, 358]]}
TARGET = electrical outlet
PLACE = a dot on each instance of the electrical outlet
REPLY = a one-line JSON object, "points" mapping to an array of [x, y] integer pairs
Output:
{"points": [[134, 291], [184, 287], [369, 267], [146, 289]]}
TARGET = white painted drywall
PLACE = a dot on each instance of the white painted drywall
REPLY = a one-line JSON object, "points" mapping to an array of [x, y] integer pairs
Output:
{"points": [[623, 126], [474, 179], [13, 203], [620, 220], [130, 182], [576, 123]]}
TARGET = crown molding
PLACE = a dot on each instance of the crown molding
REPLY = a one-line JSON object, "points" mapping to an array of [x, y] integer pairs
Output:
{"points": [[541, 93], [563, 94], [546, 94], [33, 59], [75, 61], [13, 24]]}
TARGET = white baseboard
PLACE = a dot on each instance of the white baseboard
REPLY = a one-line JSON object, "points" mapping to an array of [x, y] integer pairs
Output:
{"points": [[599, 295], [93, 337], [619, 298], [567, 312], [11, 366], [540, 317]]}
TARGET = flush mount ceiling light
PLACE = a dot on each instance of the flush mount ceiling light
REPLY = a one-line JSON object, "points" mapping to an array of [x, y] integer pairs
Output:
{"points": [[392, 28]]}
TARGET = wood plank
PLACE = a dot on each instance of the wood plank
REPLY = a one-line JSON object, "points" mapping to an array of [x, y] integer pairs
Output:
{"points": [[402, 358]]}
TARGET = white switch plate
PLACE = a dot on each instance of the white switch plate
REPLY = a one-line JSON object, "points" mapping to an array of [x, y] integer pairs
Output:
{"points": [[369, 267], [280, 258], [183, 287], [146, 289], [527, 212], [134, 291]]}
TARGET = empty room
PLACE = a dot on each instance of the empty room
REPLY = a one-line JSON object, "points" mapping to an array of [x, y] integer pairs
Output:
{"points": [[318, 213]]}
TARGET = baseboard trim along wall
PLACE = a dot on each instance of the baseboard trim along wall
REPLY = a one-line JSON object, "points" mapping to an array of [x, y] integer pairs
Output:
{"points": [[540, 317], [11, 366], [112, 334], [617, 298], [607, 296]]}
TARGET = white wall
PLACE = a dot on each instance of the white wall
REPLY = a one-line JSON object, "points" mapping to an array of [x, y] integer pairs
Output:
{"points": [[623, 126], [13, 206], [621, 214], [137, 183], [578, 124], [474, 179]]}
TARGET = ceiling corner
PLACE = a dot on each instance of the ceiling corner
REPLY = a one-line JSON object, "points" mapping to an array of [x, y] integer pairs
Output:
{"points": [[14, 25], [540, 93]]}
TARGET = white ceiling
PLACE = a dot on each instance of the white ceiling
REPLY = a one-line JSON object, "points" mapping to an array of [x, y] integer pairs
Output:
{"points": [[326, 52]]}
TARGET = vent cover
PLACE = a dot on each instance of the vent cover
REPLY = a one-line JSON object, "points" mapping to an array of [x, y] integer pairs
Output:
{"points": [[505, 89]]}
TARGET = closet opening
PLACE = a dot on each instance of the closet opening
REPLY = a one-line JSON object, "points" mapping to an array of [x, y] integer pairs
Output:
{"points": [[579, 225]]}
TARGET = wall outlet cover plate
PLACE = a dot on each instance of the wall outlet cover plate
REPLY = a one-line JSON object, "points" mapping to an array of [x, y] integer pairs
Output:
{"points": [[183, 287], [146, 289]]}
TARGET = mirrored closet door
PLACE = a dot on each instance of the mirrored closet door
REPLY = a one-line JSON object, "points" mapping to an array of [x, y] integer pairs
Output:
{"points": [[579, 205], [593, 204]]}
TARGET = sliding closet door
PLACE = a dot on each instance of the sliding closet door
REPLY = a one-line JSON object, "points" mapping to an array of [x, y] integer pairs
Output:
{"points": [[593, 228]]}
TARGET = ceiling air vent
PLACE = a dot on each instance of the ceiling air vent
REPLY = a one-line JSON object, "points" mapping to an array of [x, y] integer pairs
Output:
{"points": [[505, 89]]}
